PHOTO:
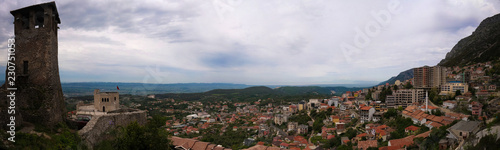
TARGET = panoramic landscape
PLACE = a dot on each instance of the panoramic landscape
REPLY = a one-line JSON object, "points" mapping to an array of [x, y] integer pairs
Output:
{"points": [[250, 75]]}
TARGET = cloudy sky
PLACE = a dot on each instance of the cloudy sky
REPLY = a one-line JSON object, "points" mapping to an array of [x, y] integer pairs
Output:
{"points": [[253, 42]]}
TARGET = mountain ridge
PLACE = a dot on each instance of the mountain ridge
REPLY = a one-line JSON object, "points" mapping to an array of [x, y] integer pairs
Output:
{"points": [[481, 46], [402, 76]]}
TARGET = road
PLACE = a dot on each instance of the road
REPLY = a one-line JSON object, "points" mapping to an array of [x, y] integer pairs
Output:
{"points": [[279, 130], [312, 132]]}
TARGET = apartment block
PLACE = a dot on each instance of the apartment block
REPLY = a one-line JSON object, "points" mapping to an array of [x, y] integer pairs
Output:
{"points": [[428, 77], [405, 98]]}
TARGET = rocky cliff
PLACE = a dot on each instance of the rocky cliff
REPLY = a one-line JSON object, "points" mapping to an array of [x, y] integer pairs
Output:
{"points": [[482, 45]]}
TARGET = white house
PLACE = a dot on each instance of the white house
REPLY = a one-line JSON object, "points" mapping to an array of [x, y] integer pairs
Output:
{"points": [[366, 113], [449, 104]]}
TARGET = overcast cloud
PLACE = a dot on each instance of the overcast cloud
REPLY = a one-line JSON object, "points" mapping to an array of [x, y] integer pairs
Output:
{"points": [[253, 42]]}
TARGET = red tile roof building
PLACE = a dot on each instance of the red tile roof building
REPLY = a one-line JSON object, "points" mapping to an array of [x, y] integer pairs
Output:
{"points": [[363, 145]]}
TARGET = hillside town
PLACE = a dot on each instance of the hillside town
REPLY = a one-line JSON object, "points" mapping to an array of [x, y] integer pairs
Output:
{"points": [[454, 105], [451, 104]]}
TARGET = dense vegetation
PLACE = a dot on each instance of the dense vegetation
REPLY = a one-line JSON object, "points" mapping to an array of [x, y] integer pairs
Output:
{"points": [[230, 139], [435, 136], [249, 94], [488, 142], [135, 136], [66, 138], [301, 118]]}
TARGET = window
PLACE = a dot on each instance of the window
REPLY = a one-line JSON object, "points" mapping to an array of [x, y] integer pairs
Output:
{"points": [[25, 22], [115, 98], [102, 99], [39, 20]]}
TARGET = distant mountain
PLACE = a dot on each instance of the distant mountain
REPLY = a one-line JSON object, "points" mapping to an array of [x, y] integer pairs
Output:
{"points": [[402, 76], [296, 90], [483, 45], [258, 92], [261, 90], [87, 88]]}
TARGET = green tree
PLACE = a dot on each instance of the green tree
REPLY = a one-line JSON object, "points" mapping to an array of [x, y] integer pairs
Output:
{"points": [[350, 133], [369, 95], [391, 112], [487, 142], [384, 93], [395, 87], [329, 111], [437, 112], [317, 125], [408, 85], [400, 108], [334, 142], [457, 93], [150, 136]]}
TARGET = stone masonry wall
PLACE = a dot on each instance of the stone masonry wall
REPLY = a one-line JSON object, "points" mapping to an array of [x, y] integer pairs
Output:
{"points": [[92, 132]]}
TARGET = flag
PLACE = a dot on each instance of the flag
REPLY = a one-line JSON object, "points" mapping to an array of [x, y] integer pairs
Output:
{"points": [[117, 88]]}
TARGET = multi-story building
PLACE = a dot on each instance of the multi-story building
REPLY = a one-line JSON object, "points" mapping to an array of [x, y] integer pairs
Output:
{"points": [[428, 77], [313, 104], [106, 101], [375, 95], [366, 113], [279, 119], [302, 129], [405, 97], [292, 126], [452, 87], [302, 105], [334, 101], [463, 129], [476, 108]]}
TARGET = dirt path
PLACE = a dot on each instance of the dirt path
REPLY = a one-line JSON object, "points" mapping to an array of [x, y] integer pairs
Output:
{"points": [[312, 132]]}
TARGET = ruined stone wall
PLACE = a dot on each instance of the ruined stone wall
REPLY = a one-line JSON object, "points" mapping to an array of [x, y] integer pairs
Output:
{"points": [[92, 132]]}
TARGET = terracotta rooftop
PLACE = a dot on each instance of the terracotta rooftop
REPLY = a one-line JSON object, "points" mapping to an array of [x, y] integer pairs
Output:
{"points": [[389, 148], [362, 135], [366, 108], [412, 128], [407, 141], [262, 147], [200, 145], [186, 143], [367, 144]]}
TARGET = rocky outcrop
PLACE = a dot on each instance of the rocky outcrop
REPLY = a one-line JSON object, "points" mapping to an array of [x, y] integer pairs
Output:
{"points": [[483, 45]]}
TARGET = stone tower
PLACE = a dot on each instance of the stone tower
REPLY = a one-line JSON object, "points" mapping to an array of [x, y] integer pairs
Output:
{"points": [[106, 101], [39, 97]]}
